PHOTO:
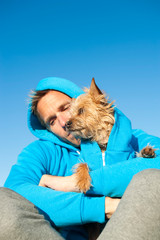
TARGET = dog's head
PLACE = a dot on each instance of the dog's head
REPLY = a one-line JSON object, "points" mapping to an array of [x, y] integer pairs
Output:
{"points": [[91, 115]]}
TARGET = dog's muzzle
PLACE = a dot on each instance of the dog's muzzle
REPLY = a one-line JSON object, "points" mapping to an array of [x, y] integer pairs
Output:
{"points": [[68, 124]]}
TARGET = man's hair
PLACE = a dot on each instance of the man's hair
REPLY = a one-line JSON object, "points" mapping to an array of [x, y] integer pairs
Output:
{"points": [[35, 97]]}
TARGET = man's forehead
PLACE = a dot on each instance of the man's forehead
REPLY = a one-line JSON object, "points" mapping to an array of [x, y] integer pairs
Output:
{"points": [[56, 96], [52, 102]]}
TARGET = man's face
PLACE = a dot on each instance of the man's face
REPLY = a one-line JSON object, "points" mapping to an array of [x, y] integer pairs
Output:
{"points": [[53, 108]]}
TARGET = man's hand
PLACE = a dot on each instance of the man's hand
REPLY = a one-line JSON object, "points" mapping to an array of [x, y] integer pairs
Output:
{"points": [[65, 184], [111, 205]]}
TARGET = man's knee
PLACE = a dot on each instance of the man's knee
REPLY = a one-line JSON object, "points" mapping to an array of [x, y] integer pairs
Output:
{"points": [[13, 208], [20, 219], [150, 177], [145, 185], [7, 201], [8, 213]]}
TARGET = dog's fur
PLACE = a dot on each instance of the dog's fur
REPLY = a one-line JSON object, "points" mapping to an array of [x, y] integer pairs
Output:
{"points": [[92, 116], [147, 152]]}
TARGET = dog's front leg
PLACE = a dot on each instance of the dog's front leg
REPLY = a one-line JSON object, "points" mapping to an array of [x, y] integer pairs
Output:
{"points": [[147, 152], [83, 179]]}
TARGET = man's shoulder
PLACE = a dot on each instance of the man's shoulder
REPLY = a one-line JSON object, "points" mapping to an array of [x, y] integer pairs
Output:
{"points": [[41, 145]]}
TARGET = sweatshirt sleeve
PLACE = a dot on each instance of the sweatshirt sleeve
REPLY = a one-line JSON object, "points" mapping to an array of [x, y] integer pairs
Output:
{"points": [[112, 180], [63, 208]]}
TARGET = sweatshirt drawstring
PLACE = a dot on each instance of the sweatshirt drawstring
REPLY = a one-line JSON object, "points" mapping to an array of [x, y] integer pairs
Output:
{"points": [[103, 158]]}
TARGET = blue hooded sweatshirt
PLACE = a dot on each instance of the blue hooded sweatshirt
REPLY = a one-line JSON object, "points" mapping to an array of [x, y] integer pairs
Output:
{"points": [[110, 174]]}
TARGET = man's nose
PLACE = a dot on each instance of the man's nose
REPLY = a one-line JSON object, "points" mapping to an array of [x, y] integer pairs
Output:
{"points": [[62, 118]]}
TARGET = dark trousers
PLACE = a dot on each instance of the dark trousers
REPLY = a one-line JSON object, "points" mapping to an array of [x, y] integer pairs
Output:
{"points": [[136, 218]]}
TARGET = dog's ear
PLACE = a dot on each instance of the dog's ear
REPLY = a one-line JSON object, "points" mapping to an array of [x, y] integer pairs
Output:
{"points": [[94, 90]]}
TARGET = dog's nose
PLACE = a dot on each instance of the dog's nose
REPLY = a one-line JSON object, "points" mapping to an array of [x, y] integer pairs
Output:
{"points": [[68, 124]]}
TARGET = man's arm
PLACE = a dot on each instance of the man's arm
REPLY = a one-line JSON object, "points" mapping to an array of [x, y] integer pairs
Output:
{"points": [[63, 208], [68, 184]]}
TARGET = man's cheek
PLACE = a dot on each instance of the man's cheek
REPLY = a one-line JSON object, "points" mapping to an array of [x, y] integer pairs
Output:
{"points": [[68, 114]]}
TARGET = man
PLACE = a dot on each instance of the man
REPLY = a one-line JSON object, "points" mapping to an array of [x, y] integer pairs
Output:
{"points": [[55, 153]]}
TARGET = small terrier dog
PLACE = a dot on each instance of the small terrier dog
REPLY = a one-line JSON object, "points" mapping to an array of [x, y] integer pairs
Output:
{"points": [[92, 117]]}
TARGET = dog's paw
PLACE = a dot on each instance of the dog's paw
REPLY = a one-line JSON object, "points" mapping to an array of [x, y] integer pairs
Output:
{"points": [[147, 152], [82, 176]]}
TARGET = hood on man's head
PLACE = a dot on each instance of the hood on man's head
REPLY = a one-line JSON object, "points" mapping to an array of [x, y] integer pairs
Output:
{"points": [[58, 84]]}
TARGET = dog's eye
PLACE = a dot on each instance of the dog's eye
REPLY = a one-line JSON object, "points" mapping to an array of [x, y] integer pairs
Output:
{"points": [[80, 111]]}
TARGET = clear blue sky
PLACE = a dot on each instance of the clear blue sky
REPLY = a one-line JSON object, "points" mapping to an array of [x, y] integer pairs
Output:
{"points": [[117, 42]]}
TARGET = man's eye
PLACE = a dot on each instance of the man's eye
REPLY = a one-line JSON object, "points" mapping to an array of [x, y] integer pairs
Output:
{"points": [[51, 122], [66, 107]]}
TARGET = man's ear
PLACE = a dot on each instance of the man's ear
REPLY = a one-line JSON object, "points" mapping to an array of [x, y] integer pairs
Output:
{"points": [[94, 90]]}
